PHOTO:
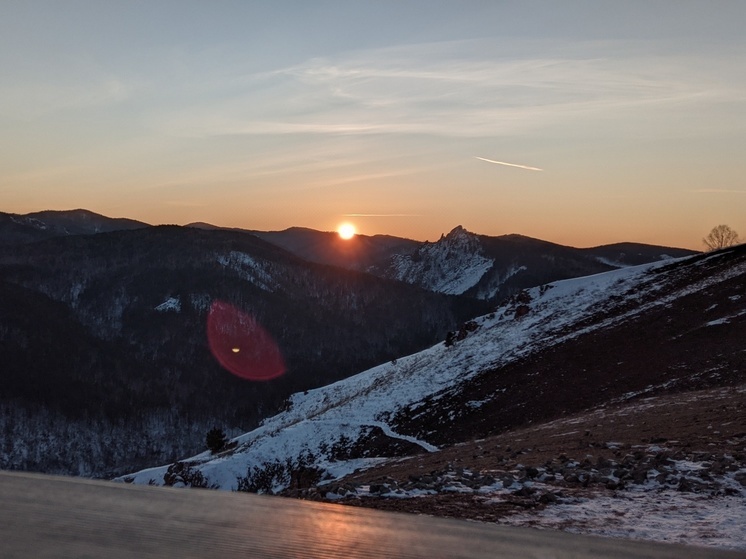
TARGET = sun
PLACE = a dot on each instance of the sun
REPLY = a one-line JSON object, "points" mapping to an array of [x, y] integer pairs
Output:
{"points": [[346, 231]]}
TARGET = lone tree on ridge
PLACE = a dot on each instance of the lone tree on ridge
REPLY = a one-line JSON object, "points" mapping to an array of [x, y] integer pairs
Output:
{"points": [[721, 236]]}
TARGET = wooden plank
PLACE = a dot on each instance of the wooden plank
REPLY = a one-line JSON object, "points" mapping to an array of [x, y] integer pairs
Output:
{"points": [[44, 516]]}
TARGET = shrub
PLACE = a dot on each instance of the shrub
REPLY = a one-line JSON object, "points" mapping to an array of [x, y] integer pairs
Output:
{"points": [[215, 440], [183, 473]]}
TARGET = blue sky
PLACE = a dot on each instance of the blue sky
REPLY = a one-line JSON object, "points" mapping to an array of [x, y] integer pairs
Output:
{"points": [[266, 115]]}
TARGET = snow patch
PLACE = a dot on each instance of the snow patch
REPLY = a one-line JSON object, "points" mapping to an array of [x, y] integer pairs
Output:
{"points": [[610, 262], [724, 320], [172, 304], [671, 516], [250, 269]]}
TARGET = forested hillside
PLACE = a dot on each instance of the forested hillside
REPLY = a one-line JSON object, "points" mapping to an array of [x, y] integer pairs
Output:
{"points": [[109, 331]]}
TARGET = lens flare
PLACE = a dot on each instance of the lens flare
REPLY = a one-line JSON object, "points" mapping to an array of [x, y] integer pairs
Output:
{"points": [[241, 345]]}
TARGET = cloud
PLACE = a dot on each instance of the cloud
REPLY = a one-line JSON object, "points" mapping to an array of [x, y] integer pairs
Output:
{"points": [[508, 164], [457, 89], [381, 215], [717, 191]]}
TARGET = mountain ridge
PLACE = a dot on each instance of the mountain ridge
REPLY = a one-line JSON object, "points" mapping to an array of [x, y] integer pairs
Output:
{"points": [[21, 229], [460, 262], [487, 267]]}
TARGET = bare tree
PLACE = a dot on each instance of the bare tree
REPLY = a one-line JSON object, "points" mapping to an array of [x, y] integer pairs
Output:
{"points": [[720, 237]]}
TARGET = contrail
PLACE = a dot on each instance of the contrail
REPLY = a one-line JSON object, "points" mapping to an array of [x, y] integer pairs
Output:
{"points": [[509, 164]]}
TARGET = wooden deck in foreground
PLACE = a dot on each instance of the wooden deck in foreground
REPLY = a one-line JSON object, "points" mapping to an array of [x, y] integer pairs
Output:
{"points": [[43, 516]]}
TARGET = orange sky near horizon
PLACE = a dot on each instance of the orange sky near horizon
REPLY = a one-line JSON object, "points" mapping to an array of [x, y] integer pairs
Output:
{"points": [[550, 220], [581, 126]]}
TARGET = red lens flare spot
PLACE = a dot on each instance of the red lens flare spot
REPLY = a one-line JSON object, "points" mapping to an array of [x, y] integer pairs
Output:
{"points": [[241, 345]]}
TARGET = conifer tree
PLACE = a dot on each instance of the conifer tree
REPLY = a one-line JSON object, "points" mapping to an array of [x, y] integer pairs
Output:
{"points": [[216, 440]]}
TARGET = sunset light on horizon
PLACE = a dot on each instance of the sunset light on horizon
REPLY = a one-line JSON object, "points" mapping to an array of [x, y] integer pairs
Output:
{"points": [[582, 124], [346, 231]]}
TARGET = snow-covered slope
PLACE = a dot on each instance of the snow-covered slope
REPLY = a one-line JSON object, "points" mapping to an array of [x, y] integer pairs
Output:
{"points": [[363, 419]]}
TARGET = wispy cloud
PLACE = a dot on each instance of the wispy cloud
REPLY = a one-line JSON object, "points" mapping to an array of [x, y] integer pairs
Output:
{"points": [[381, 215], [717, 191], [508, 164], [459, 89]]}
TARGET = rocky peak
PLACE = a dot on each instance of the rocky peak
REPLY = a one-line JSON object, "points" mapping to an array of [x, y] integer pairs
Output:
{"points": [[456, 234], [452, 265], [460, 240]]}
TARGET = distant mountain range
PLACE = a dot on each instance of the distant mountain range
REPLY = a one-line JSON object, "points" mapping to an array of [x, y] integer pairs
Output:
{"points": [[464, 263], [103, 323], [20, 229], [459, 263]]}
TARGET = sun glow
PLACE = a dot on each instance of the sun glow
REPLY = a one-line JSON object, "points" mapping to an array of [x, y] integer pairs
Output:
{"points": [[346, 231]]}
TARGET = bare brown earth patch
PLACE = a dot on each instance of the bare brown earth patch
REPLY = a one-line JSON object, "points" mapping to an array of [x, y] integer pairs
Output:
{"points": [[606, 450]]}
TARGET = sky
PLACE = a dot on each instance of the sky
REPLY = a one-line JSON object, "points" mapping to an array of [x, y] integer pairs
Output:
{"points": [[621, 121]]}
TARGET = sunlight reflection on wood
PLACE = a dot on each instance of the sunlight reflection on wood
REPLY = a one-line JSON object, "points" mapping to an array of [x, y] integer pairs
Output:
{"points": [[44, 516]]}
